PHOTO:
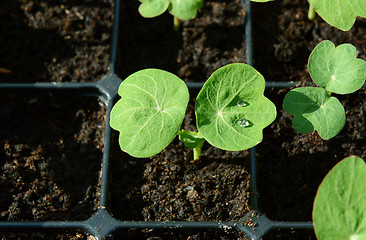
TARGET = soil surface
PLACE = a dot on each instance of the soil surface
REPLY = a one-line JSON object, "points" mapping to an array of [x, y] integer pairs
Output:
{"points": [[186, 234], [216, 37], [170, 186], [49, 235], [51, 154], [55, 41], [283, 38]]}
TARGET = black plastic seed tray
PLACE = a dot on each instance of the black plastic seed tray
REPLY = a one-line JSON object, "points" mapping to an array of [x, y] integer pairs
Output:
{"points": [[102, 225]]}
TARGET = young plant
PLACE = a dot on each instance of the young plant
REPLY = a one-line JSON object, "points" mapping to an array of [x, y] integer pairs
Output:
{"points": [[183, 10], [231, 111], [334, 70], [339, 210]]}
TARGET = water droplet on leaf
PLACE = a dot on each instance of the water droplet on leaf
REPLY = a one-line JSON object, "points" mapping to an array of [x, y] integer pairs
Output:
{"points": [[243, 122], [241, 103]]}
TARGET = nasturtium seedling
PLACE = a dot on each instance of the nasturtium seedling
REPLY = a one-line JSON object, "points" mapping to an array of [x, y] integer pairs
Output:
{"points": [[339, 210], [334, 70], [231, 111], [341, 14], [184, 10], [314, 109], [180, 9]]}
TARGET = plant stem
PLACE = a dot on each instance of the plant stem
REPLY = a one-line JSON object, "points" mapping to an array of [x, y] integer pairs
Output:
{"points": [[311, 12], [196, 153], [176, 24]]}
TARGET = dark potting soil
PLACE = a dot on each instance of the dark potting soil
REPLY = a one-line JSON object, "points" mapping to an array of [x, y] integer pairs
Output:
{"points": [[186, 234], [171, 187], [51, 155], [49, 235], [290, 234], [283, 38], [292, 165], [216, 37], [58, 41]]}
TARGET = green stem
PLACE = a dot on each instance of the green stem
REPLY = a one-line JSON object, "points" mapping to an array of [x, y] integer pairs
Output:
{"points": [[311, 12], [176, 24], [196, 153]]}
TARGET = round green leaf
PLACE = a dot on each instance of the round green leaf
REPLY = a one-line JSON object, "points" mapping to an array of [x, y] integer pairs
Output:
{"points": [[339, 211], [153, 8], [186, 9], [150, 112], [340, 13], [314, 109], [231, 110], [336, 68]]}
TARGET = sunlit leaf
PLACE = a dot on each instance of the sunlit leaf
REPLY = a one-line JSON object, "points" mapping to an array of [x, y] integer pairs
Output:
{"points": [[231, 109]]}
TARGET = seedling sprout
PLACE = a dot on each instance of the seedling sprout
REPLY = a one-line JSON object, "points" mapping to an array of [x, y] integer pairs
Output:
{"points": [[181, 10], [231, 111], [333, 69]]}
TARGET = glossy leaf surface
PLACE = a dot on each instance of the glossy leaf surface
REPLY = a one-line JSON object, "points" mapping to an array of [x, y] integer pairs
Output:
{"points": [[231, 110]]}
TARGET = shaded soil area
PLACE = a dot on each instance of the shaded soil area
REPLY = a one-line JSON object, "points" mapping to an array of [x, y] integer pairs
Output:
{"points": [[283, 38], [58, 41], [216, 37], [51, 154], [291, 165], [170, 186]]}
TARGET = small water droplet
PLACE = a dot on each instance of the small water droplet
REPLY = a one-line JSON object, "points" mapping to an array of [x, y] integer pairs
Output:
{"points": [[243, 122], [241, 103]]}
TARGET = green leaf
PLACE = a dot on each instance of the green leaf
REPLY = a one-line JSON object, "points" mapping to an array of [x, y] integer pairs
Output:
{"points": [[336, 68], [339, 211], [191, 139], [182, 9], [231, 110], [185, 9], [340, 13], [153, 8], [314, 109], [150, 112], [262, 0]]}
